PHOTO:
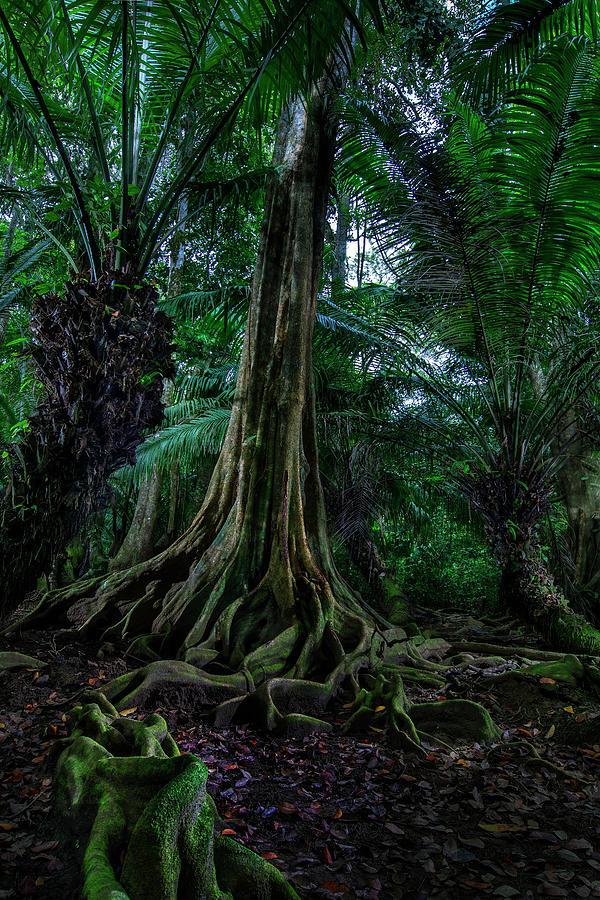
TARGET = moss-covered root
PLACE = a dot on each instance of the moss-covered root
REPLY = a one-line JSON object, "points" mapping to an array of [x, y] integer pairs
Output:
{"points": [[171, 680], [569, 669], [282, 705], [10, 659], [456, 721], [385, 701], [570, 632], [149, 807]]}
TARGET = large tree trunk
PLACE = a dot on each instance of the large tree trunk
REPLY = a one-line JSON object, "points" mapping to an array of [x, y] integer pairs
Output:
{"points": [[249, 595], [251, 585]]}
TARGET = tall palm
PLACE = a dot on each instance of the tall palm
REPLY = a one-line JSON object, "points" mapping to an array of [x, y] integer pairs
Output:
{"points": [[504, 232]]}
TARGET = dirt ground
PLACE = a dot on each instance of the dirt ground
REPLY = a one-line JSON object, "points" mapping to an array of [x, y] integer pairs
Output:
{"points": [[341, 816]]}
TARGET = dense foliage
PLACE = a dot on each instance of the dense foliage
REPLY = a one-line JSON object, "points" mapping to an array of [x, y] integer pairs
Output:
{"points": [[467, 163]]}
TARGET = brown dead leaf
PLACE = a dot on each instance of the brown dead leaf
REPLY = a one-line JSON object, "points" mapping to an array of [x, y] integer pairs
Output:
{"points": [[288, 809], [44, 847]]}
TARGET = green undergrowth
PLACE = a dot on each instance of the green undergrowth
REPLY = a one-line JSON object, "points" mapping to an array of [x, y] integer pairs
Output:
{"points": [[453, 573]]}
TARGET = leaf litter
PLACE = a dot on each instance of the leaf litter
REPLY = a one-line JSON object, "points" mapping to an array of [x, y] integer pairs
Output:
{"points": [[341, 815]]}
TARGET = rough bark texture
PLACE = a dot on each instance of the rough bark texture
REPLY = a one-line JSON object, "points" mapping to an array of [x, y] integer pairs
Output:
{"points": [[579, 485], [149, 806], [340, 248], [138, 544], [513, 509]]}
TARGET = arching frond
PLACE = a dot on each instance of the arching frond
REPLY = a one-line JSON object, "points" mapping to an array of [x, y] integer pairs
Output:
{"points": [[510, 37], [186, 441]]}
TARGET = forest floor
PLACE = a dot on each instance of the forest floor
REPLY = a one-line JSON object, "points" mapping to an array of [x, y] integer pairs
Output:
{"points": [[340, 815]]}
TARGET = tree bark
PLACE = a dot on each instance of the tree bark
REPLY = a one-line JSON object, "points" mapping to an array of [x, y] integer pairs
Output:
{"points": [[340, 247], [139, 540], [513, 509], [579, 486]]}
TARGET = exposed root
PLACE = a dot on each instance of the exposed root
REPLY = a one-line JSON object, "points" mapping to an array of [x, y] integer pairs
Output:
{"points": [[505, 651], [387, 701], [174, 679], [536, 761], [11, 660], [149, 805], [459, 721]]}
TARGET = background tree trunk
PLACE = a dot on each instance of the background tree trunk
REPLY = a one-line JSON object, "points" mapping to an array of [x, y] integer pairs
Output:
{"points": [[579, 486], [340, 247], [139, 540]]}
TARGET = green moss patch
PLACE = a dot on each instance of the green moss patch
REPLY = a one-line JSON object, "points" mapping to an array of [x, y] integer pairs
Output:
{"points": [[149, 806]]}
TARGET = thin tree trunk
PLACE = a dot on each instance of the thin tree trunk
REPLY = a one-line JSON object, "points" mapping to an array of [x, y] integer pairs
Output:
{"points": [[340, 248], [174, 488], [139, 540]]}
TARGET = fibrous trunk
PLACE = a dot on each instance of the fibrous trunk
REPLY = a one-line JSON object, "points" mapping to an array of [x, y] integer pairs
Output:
{"points": [[513, 508], [100, 352]]}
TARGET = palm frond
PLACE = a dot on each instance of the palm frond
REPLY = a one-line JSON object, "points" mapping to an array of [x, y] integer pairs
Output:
{"points": [[511, 36], [186, 441]]}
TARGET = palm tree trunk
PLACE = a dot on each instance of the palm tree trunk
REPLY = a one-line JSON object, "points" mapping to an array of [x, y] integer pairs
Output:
{"points": [[528, 589], [101, 353]]}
